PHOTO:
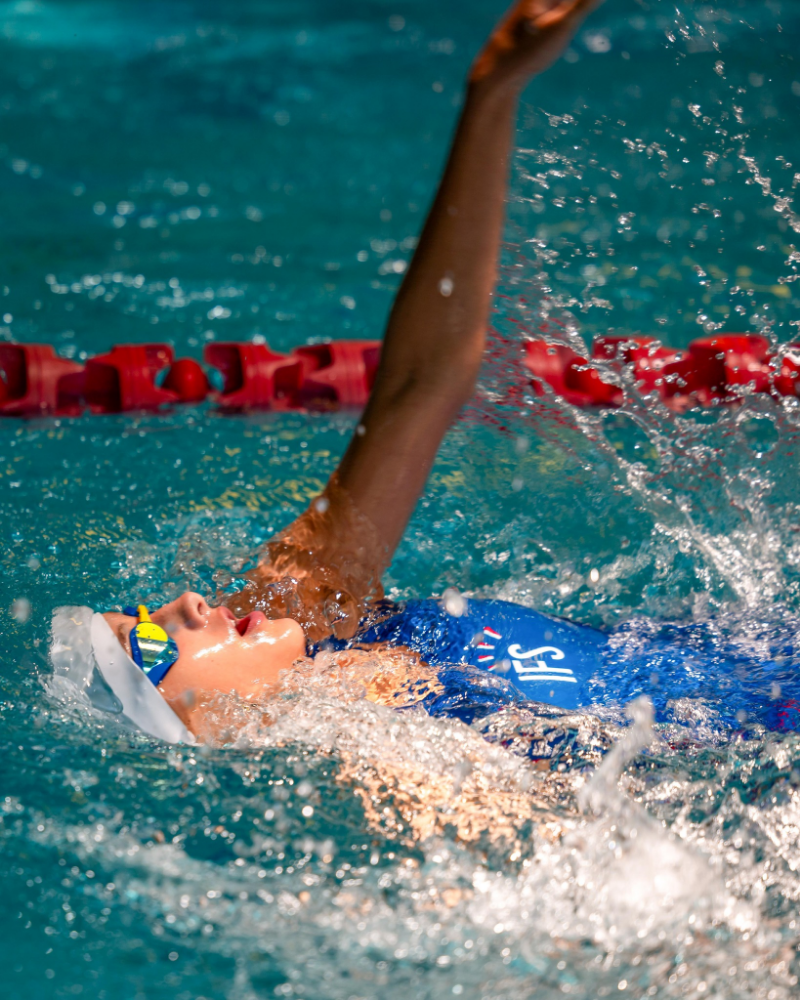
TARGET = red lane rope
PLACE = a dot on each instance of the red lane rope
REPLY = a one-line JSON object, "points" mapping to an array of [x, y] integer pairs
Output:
{"points": [[713, 370], [331, 376]]}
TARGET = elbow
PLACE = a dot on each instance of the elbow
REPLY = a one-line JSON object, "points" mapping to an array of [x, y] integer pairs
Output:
{"points": [[444, 387], [450, 374]]}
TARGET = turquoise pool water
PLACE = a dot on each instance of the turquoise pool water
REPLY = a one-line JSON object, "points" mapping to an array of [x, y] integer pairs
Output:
{"points": [[188, 171]]}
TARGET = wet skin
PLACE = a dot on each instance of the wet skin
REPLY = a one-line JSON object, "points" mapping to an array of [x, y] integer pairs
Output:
{"points": [[219, 652]]}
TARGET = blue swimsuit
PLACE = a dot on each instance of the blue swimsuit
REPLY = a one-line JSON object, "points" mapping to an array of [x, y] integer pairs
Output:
{"points": [[535, 657]]}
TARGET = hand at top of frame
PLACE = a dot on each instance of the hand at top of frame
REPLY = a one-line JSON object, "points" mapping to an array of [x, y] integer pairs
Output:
{"points": [[531, 36]]}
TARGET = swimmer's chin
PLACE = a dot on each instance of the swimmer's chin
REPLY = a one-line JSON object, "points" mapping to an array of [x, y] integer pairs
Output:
{"points": [[219, 719], [212, 714]]}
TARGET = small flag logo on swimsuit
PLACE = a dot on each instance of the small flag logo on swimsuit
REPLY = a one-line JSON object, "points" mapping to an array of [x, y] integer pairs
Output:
{"points": [[488, 656], [529, 665]]}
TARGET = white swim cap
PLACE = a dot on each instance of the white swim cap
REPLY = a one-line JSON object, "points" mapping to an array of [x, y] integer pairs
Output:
{"points": [[83, 642]]}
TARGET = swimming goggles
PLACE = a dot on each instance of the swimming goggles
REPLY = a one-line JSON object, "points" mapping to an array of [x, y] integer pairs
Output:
{"points": [[151, 647]]}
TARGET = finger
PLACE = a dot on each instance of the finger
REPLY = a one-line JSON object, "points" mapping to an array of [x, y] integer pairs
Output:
{"points": [[532, 10], [568, 10]]}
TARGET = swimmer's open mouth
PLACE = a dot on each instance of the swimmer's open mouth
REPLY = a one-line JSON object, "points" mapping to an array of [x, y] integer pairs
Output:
{"points": [[249, 622]]}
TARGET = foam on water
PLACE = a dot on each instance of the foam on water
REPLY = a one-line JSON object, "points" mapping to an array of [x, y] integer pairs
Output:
{"points": [[627, 876]]}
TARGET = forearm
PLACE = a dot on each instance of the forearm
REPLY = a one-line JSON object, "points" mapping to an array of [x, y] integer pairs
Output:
{"points": [[437, 329]]}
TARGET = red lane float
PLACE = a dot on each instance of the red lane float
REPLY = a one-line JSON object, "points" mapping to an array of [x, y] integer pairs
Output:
{"points": [[651, 360], [35, 380], [711, 371], [254, 376], [787, 381], [331, 376], [188, 381], [568, 375], [339, 375], [125, 379]]}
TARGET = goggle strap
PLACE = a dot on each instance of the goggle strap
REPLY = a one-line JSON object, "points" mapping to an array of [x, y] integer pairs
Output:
{"points": [[138, 611], [157, 674]]}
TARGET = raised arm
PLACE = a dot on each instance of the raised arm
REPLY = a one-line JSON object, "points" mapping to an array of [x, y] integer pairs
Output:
{"points": [[432, 349], [436, 334]]}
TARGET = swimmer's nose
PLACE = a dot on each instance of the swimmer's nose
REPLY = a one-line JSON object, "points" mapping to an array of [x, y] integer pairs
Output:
{"points": [[193, 609]]}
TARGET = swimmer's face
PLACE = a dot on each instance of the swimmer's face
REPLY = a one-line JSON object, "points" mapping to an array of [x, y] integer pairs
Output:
{"points": [[219, 652]]}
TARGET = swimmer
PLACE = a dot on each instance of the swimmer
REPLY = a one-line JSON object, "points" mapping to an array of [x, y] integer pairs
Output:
{"points": [[319, 580]]}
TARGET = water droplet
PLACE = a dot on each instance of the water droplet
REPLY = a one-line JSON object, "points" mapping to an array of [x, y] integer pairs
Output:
{"points": [[21, 609], [454, 603]]}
